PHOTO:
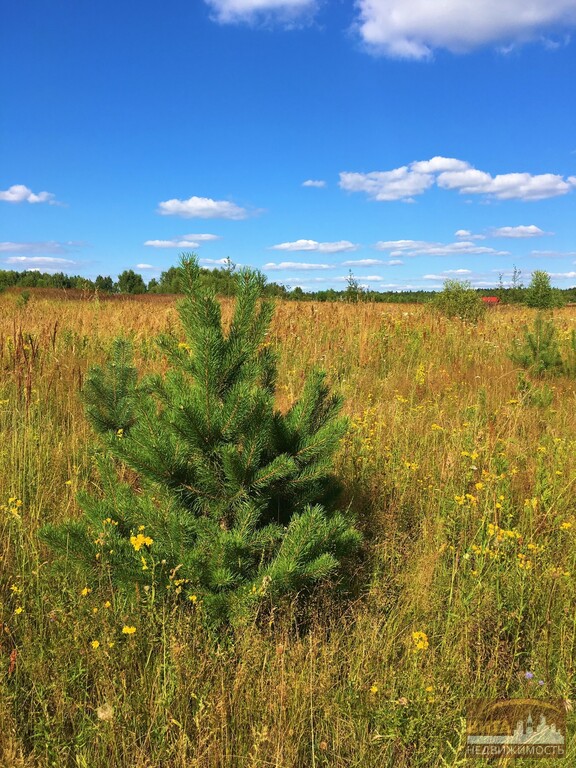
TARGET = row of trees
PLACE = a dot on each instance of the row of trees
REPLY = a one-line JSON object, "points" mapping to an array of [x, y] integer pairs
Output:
{"points": [[224, 282]]}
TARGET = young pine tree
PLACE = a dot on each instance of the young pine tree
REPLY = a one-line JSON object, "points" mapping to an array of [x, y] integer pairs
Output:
{"points": [[540, 352], [229, 501]]}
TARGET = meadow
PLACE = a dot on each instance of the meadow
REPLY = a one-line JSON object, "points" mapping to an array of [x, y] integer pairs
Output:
{"points": [[461, 472]]}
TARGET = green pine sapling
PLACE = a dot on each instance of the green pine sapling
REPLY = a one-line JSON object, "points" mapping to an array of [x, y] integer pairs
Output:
{"points": [[230, 501]]}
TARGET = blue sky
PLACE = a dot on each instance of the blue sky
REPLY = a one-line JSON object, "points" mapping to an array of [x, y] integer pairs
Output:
{"points": [[406, 140]]}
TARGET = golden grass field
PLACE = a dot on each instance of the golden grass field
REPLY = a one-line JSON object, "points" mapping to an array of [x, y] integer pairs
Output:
{"points": [[462, 481]]}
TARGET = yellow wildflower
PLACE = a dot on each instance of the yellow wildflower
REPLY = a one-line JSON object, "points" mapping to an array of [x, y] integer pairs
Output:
{"points": [[420, 640], [128, 630], [95, 644], [139, 541], [85, 591]]}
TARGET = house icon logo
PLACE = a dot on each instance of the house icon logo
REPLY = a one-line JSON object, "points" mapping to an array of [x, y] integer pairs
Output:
{"points": [[516, 728]]}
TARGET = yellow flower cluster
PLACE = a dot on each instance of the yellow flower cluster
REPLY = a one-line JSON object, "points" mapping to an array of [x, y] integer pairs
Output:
{"points": [[140, 540], [13, 507], [420, 640], [466, 498], [502, 534], [524, 562]]}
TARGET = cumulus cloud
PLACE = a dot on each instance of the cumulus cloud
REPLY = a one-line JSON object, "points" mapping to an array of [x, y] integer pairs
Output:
{"points": [[467, 235], [506, 186], [408, 181], [521, 231], [424, 248], [233, 11], [413, 29], [186, 241], [147, 266], [312, 245], [18, 193], [398, 184], [202, 208], [314, 183], [295, 265]]}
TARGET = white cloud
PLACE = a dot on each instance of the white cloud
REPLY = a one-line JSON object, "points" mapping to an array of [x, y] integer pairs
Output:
{"points": [[18, 193], [40, 247], [312, 245], [147, 266], [399, 245], [521, 231], [186, 241], [439, 164], [202, 208], [372, 263], [424, 248], [37, 261], [506, 186], [405, 182], [231, 11], [467, 235], [563, 275], [552, 254], [295, 265], [363, 263], [172, 243], [314, 183], [413, 29], [215, 261], [399, 184]]}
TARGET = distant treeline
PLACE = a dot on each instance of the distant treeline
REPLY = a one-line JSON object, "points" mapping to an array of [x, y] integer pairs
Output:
{"points": [[223, 282]]}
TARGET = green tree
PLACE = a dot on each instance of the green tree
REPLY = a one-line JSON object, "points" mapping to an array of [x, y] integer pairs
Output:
{"points": [[540, 294], [131, 282], [354, 291], [234, 502], [459, 299], [539, 352], [104, 284]]}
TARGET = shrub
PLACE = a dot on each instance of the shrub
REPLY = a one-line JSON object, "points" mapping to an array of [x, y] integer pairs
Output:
{"points": [[207, 491], [459, 299], [539, 353]]}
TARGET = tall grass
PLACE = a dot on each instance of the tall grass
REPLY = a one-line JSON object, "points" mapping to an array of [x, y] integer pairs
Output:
{"points": [[461, 475]]}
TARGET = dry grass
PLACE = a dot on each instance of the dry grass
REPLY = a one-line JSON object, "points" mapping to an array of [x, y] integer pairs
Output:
{"points": [[443, 445]]}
